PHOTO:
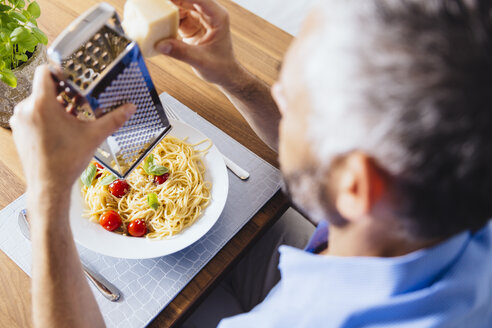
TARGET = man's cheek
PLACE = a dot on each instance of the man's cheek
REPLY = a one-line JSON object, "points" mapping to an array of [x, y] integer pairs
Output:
{"points": [[284, 149]]}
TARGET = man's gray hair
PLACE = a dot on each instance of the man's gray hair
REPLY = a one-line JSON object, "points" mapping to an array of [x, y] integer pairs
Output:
{"points": [[409, 82]]}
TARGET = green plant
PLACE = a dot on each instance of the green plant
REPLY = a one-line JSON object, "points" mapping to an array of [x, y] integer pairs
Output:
{"points": [[19, 36]]}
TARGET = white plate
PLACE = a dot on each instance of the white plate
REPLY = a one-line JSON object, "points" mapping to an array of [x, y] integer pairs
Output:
{"points": [[92, 236]]}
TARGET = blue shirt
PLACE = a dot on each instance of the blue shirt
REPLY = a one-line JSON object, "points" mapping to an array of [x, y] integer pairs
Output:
{"points": [[448, 285]]}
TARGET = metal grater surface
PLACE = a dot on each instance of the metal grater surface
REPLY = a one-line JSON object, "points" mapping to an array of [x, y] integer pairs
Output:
{"points": [[102, 69], [92, 58], [137, 133]]}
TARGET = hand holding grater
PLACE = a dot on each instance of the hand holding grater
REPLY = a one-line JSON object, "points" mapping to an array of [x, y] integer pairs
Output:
{"points": [[98, 68]]}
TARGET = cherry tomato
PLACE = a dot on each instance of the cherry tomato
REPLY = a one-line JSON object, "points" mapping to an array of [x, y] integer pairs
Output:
{"points": [[137, 228], [119, 188], [160, 179], [100, 168], [110, 220]]}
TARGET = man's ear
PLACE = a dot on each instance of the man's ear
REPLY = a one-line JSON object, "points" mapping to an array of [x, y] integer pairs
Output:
{"points": [[360, 184]]}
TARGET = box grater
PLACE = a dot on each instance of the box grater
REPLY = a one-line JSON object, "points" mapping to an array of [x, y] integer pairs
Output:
{"points": [[98, 68]]}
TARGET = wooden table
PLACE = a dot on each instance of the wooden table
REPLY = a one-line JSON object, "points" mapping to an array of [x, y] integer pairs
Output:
{"points": [[260, 46]]}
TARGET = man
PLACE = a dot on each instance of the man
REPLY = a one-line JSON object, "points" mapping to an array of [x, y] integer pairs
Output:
{"points": [[384, 130]]}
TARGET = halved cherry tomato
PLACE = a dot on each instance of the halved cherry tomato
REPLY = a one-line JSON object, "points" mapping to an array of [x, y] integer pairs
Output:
{"points": [[110, 220], [160, 179], [137, 228], [119, 188], [100, 168]]}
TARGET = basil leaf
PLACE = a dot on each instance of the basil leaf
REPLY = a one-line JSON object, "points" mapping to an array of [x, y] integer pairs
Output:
{"points": [[34, 9], [8, 78], [107, 180], [18, 16], [158, 170], [18, 31], [149, 161], [153, 201], [33, 21], [11, 25], [88, 175], [29, 44], [153, 169], [18, 3], [21, 57], [4, 8], [26, 14], [38, 34], [3, 52]]}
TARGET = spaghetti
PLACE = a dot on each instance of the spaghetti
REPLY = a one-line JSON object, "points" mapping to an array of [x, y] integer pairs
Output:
{"points": [[180, 199]]}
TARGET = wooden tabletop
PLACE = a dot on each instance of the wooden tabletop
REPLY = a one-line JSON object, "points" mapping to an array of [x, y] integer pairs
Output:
{"points": [[260, 46]]}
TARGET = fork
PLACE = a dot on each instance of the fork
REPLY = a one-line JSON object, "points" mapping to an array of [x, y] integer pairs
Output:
{"points": [[236, 169]]}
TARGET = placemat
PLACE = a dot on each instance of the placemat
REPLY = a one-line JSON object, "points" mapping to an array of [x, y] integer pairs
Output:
{"points": [[147, 286]]}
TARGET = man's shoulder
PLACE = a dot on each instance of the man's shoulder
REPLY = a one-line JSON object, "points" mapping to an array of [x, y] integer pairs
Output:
{"points": [[442, 286]]}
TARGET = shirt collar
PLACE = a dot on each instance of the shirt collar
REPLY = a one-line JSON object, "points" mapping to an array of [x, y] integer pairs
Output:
{"points": [[319, 239]]}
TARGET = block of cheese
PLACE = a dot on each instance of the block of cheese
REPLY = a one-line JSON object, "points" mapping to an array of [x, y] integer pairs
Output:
{"points": [[148, 21]]}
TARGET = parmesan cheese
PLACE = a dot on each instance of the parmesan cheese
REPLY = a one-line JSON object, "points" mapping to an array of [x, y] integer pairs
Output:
{"points": [[148, 21]]}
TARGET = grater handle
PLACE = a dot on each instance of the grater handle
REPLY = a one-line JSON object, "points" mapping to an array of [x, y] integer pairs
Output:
{"points": [[80, 30], [117, 23]]}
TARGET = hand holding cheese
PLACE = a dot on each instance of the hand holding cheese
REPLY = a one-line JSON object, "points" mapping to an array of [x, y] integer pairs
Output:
{"points": [[148, 21], [206, 42]]}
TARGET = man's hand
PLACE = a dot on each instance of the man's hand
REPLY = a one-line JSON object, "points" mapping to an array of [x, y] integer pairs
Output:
{"points": [[207, 46], [54, 146], [206, 41]]}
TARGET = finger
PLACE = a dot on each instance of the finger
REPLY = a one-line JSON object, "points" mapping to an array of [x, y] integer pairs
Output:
{"points": [[211, 10], [22, 112], [203, 22], [189, 26], [25, 108], [179, 50], [14, 118], [109, 123], [43, 84], [22, 105]]}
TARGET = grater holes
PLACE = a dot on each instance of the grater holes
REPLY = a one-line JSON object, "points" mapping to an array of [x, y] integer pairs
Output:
{"points": [[87, 60], [89, 46], [71, 65], [97, 52], [137, 132], [78, 69], [97, 37]]}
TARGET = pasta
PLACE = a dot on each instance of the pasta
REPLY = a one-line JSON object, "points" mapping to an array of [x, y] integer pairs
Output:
{"points": [[181, 199]]}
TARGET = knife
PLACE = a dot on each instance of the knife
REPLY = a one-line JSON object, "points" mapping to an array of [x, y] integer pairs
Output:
{"points": [[105, 287]]}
